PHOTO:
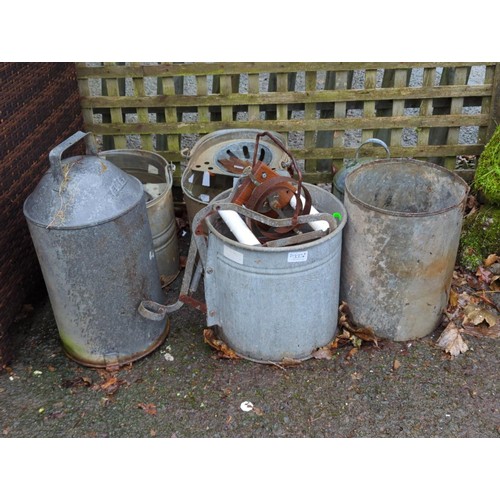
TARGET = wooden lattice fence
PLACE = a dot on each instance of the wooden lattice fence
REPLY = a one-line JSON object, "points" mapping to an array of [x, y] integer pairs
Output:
{"points": [[442, 112]]}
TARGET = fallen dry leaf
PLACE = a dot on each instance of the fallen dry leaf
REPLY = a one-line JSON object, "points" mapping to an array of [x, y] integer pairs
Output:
{"points": [[491, 259], [322, 353], [396, 365], [451, 340], [453, 301], [351, 353], [482, 331], [153, 433], [223, 350], [475, 315], [109, 383], [149, 408], [495, 284], [345, 322], [484, 275], [258, 411], [77, 382]]}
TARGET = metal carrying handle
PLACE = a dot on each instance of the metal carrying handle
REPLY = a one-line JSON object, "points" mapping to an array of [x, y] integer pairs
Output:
{"points": [[56, 154], [378, 142], [152, 310]]}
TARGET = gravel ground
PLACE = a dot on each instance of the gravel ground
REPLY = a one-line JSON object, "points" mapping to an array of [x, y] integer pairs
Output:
{"points": [[409, 389]]}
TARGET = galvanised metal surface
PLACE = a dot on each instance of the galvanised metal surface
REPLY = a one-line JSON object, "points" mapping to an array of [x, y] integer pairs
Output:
{"points": [[154, 172], [400, 245], [267, 303], [89, 226], [205, 176]]}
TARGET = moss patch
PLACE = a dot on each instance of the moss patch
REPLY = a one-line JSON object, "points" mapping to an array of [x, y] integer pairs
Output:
{"points": [[487, 178], [480, 237]]}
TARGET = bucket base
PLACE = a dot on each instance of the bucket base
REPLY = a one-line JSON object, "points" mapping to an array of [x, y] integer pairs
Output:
{"points": [[123, 360], [219, 335]]}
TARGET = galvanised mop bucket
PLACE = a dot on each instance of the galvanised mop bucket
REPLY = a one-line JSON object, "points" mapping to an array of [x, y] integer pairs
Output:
{"points": [[270, 304], [400, 245], [89, 225], [155, 173]]}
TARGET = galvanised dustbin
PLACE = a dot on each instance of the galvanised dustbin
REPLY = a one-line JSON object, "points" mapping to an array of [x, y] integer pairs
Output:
{"points": [[400, 245], [89, 225]]}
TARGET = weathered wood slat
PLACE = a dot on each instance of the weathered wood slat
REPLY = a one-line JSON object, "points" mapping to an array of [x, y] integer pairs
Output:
{"points": [[310, 114], [296, 124], [226, 89], [112, 88], [173, 140], [457, 104], [142, 113], [340, 110], [369, 110], [396, 152], [426, 107], [378, 94], [495, 105], [401, 77], [320, 114], [202, 89], [253, 88], [172, 69]]}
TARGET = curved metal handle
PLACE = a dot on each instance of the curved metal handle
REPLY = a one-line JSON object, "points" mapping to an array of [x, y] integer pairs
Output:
{"points": [[56, 153], [185, 153], [152, 310], [378, 142]]}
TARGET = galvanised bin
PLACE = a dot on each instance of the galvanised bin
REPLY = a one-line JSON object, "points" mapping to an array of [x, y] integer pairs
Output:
{"points": [[400, 245], [89, 225]]}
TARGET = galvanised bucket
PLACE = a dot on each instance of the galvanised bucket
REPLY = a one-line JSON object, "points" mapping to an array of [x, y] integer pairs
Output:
{"points": [[90, 229], [155, 174], [400, 245], [270, 304]]}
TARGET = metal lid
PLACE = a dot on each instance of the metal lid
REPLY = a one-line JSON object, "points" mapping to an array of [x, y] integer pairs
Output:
{"points": [[214, 152], [82, 190]]}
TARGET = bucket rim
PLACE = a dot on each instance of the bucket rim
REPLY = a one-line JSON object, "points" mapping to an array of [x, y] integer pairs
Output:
{"points": [[260, 248], [373, 164], [144, 153]]}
